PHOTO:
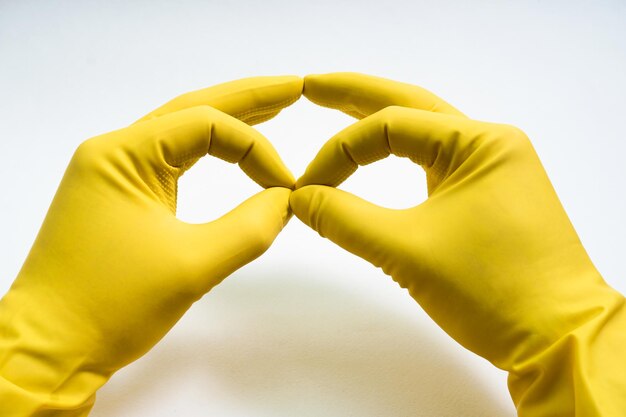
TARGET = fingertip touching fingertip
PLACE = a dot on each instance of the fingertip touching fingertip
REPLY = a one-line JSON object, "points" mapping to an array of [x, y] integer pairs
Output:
{"points": [[302, 182], [309, 84]]}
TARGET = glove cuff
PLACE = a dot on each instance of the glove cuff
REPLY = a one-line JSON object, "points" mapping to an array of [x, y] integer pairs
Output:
{"points": [[583, 373], [44, 367]]}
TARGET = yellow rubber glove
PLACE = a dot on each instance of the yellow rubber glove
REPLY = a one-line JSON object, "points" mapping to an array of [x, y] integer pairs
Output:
{"points": [[113, 269], [491, 255]]}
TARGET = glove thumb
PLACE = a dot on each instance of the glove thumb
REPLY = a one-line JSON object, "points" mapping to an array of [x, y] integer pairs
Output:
{"points": [[240, 236], [354, 224]]}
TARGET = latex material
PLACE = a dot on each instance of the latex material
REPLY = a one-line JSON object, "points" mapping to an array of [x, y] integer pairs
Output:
{"points": [[491, 255], [112, 269]]}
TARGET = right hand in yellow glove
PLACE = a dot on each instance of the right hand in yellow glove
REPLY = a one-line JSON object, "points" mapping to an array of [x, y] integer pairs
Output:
{"points": [[491, 255], [113, 269]]}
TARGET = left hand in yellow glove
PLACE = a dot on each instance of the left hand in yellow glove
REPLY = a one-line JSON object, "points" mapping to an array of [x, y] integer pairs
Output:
{"points": [[112, 268]]}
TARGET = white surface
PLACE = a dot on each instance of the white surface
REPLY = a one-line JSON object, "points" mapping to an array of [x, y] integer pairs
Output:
{"points": [[308, 329]]}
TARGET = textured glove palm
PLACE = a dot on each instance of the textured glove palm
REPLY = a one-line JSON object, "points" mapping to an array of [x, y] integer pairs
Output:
{"points": [[112, 268]]}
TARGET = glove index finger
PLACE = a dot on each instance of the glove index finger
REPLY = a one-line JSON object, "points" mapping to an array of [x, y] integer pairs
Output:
{"points": [[178, 139], [251, 100], [360, 95], [236, 142], [425, 137]]}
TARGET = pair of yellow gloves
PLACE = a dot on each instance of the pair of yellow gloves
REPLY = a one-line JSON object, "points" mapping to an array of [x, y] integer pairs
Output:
{"points": [[490, 255]]}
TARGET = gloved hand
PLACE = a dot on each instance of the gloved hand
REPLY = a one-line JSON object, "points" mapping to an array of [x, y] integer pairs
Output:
{"points": [[491, 255], [113, 269]]}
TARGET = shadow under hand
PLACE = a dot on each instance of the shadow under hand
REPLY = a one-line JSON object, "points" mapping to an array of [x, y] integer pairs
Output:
{"points": [[297, 347]]}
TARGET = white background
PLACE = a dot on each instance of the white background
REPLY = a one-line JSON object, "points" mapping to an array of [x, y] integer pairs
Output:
{"points": [[308, 329]]}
